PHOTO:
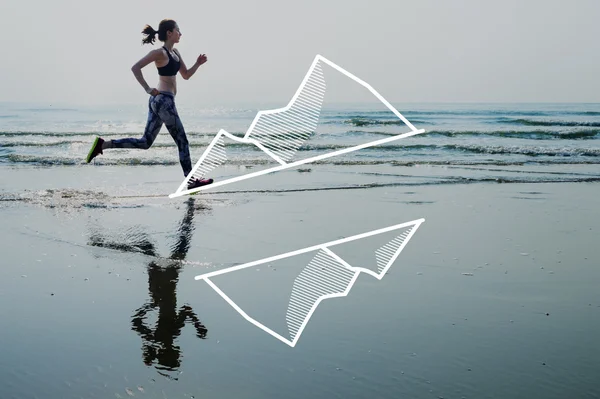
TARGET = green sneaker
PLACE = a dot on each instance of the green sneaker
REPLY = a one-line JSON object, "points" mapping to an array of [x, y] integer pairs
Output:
{"points": [[95, 150]]}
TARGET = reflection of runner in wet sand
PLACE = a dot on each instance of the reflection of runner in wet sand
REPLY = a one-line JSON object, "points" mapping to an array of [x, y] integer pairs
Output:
{"points": [[159, 342]]}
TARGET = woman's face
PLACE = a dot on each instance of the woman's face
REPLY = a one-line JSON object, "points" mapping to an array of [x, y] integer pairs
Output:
{"points": [[175, 34]]}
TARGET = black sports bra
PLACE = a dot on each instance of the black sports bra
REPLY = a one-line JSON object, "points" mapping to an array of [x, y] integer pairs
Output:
{"points": [[171, 68]]}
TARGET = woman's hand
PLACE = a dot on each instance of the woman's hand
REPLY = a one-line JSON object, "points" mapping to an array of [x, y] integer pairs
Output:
{"points": [[152, 91], [201, 59]]}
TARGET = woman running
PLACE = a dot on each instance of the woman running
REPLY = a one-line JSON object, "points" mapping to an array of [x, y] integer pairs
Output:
{"points": [[161, 105]]}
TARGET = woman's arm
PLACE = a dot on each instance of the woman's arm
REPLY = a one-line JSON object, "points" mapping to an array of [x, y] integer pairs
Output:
{"points": [[188, 73], [153, 55]]}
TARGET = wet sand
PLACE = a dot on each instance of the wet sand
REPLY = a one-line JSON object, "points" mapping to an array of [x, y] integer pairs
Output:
{"points": [[494, 296]]}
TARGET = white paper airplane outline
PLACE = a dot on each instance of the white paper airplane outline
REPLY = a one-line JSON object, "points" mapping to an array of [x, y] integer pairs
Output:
{"points": [[325, 247], [220, 156]]}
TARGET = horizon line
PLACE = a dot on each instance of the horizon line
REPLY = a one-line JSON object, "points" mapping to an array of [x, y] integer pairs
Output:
{"points": [[273, 102]]}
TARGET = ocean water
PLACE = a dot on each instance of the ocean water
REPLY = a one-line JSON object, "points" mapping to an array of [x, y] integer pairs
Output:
{"points": [[539, 136], [495, 296]]}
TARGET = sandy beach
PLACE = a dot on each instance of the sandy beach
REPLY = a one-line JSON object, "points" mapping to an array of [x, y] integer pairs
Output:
{"points": [[494, 296]]}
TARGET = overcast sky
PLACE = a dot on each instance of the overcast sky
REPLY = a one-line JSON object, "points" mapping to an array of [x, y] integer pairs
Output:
{"points": [[80, 51]]}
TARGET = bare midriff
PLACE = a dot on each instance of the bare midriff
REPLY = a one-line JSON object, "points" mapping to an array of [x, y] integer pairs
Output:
{"points": [[167, 83]]}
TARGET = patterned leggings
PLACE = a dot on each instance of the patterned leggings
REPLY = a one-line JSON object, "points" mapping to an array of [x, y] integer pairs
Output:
{"points": [[161, 110]]}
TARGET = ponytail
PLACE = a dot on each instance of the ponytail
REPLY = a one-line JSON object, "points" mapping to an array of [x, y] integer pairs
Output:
{"points": [[150, 33], [164, 26]]}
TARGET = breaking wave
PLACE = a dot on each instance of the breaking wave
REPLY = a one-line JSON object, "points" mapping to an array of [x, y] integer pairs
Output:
{"points": [[532, 122]]}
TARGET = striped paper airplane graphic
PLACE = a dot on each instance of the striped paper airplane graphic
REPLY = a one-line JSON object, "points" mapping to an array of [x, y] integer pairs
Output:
{"points": [[279, 133], [331, 272]]}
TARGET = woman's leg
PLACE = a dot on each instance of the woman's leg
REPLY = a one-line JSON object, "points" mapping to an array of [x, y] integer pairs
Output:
{"points": [[153, 126], [167, 112]]}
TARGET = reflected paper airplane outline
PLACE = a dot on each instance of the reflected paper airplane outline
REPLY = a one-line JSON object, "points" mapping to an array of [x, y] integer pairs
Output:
{"points": [[215, 159], [326, 248]]}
